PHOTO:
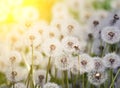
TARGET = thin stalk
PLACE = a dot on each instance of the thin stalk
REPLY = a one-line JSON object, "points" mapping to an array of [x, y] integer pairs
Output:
{"points": [[56, 73], [72, 79], [66, 79], [32, 67], [48, 68], [111, 74], [115, 78], [63, 80], [83, 80]]}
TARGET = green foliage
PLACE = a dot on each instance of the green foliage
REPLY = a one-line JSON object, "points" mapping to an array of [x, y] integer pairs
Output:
{"points": [[2, 78]]}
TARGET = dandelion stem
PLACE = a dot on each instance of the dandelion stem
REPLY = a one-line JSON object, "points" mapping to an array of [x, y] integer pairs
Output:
{"points": [[32, 67], [56, 73], [83, 77], [72, 79], [66, 79], [115, 78], [62, 79], [48, 68]]}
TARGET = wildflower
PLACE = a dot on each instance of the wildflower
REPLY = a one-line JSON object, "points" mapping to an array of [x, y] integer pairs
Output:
{"points": [[16, 74], [72, 45], [32, 38], [52, 47], [50, 85], [110, 35], [40, 76], [86, 63], [14, 57], [98, 64], [97, 77], [63, 62], [72, 28], [111, 60]]}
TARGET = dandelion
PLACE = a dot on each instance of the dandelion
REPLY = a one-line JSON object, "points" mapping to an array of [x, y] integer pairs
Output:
{"points": [[72, 28], [72, 45], [52, 47], [40, 76], [98, 64], [14, 57], [63, 62], [32, 38], [16, 74], [50, 85], [111, 60], [19, 85], [110, 35], [86, 63], [97, 77]]}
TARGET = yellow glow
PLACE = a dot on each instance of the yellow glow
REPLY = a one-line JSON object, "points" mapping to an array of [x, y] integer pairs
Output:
{"points": [[14, 8], [12, 11]]}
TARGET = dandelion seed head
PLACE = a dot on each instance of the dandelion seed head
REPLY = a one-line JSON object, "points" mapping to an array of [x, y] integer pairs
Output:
{"points": [[40, 76], [111, 60], [110, 35]]}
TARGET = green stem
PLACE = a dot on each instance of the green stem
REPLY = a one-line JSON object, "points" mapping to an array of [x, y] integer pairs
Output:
{"points": [[115, 78], [66, 79], [62, 79], [72, 79], [48, 68], [56, 73], [83, 79]]}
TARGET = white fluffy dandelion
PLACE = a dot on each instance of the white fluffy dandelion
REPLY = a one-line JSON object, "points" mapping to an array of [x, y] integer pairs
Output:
{"points": [[86, 63], [16, 74], [52, 47], [98, 64], [14, 57], [110, 34], [111, 60], [32, 37], [51, 85], [40, 76], [97, 77], [63, 62], [72, 45], [71, 28]]}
